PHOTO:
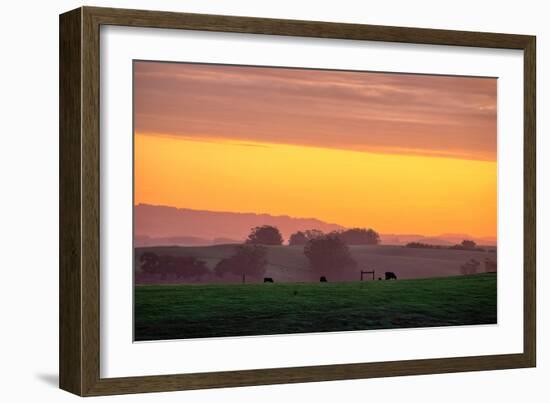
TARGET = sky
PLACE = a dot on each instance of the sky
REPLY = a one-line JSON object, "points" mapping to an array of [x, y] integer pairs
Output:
{"points": [[400, 153]]}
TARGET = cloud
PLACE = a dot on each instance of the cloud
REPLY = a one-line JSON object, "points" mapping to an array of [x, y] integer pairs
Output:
{"points": [[435, 115]]}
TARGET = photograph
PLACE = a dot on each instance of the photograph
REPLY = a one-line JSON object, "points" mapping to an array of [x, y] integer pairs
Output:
{"points": [[247, 199], [280, 200]]}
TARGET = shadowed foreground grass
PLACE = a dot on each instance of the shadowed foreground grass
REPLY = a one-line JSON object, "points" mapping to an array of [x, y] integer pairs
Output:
{"points": [[194, 311]]}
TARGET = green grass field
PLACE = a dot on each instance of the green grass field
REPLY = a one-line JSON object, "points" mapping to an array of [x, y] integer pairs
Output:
{"points": [[193, 311]]}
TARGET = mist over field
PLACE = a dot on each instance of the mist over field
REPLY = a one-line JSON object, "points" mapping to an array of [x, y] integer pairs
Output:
{"points": [[209, 237], [289, 264]]}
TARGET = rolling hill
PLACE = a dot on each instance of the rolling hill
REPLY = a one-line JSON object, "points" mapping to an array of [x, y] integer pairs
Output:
{"points": [[164, 225], [212, 227], [289, 264]]}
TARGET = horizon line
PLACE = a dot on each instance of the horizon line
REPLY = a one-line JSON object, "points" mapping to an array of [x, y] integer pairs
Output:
{"points": [[442, 234]]}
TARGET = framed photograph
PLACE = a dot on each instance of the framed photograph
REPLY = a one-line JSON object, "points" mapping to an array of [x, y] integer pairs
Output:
{"points": [[249, 201]]}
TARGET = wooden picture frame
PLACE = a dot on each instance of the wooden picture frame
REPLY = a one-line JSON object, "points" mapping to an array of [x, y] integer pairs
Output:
{"points": [[79, 346]]}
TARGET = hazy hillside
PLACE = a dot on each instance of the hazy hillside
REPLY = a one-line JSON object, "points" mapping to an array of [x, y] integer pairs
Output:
{"points": [[442, 239], [163, 225], [288, 263], [144, 240], [169, 222]]}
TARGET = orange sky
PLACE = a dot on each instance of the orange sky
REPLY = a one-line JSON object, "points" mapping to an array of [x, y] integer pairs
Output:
{"points": [[395, 152]]}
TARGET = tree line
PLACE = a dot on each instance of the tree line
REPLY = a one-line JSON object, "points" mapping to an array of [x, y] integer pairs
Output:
{"points": [[466, 244], [328, 254], [270, 235], [247, 260]]}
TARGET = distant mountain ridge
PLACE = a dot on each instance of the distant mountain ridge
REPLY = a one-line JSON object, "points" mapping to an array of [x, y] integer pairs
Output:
{"points": [[442, 239], [165, 225], [202, 227]]}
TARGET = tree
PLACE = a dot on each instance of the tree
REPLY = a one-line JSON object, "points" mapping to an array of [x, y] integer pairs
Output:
{"points": [[329, 254], [470, 267], [248, 260], [298, 238], [149, 263], [198, 269], [359, 236], [167, 266], [302, 237], [265, 235], [467, 244], [189, 267]]}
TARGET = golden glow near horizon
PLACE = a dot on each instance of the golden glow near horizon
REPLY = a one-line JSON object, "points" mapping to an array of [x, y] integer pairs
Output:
{"points": [[392, 193], [401, 153]]}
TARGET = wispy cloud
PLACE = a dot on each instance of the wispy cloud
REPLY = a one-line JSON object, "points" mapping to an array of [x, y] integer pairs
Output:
{"points": [[401, 113]]}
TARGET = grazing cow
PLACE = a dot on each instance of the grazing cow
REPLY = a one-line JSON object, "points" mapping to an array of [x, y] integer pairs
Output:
{"points": [[323, 279], [390, 275], [268, 280]]}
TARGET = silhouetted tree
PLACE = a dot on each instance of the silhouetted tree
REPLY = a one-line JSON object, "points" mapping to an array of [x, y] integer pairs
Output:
{"points": [[298, 238], [149, 263], [490, 265], [199, 269], [359, 236], [422, 245], [302, 237], [470, 267], [248, 260], [265, 235], [329, 254], [167, 266], [467, 245], [189, 267]]}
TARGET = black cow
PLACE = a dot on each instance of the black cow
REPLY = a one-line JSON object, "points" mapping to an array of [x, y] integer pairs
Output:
{"points": [[323, 279], [390, 275], [268, 280]]}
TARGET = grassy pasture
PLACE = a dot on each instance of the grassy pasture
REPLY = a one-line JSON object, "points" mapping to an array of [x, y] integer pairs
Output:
{"points": [[165, 312]]}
